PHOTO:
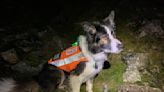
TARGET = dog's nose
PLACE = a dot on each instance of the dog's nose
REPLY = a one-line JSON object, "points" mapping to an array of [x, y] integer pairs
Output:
{"points": [[120, 46]]}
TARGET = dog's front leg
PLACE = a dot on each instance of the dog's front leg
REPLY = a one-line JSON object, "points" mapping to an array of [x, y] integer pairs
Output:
{"points": [[89, 85], [75, 83]]}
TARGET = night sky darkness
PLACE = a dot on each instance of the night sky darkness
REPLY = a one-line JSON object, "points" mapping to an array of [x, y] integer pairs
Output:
{"points": [[40, 13]]}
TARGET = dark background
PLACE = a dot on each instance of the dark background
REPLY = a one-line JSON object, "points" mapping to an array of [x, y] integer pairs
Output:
{"points": [[39, 13]]}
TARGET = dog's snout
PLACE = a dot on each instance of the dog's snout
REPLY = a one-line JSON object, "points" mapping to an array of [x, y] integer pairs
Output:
{"points": [[120, 46]]}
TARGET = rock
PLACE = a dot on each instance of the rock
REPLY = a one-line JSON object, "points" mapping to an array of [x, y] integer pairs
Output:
{"points": [[131, 75], [56, 44], [151, 28], [136, 59], [8, 38], [22, 67], [137, 88], [135, 62], [25, 45], [105, 88], [10, 56], [42, 33], [22, 36]]}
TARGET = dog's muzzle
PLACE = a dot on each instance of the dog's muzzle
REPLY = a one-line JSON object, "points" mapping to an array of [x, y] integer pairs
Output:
{"points": [[114, 47]]}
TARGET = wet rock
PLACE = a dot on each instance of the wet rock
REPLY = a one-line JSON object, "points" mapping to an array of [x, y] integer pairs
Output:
{"points": [[152, 28], [10, 56], [137, 88], [135, 63]]}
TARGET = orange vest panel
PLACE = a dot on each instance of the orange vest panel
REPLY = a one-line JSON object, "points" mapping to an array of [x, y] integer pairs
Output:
{"points": [[68, 59]]}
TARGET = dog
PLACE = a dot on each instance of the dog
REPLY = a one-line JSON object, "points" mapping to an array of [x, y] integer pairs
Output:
{"points": [[99, 41]]}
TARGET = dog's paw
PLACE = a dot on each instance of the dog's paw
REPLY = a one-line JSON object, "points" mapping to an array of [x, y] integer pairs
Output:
{"points": [[106, 65]]}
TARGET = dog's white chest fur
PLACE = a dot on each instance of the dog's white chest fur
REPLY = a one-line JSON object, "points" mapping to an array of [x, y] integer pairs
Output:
{"points": [[93, 68]]}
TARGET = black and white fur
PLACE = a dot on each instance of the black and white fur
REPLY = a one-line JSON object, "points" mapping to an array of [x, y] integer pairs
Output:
{"points": [[99, 41], [96, 44]]}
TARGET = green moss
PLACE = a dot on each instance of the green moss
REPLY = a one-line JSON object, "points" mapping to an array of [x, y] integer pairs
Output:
{"points": [[112, 77], [156, 70]]}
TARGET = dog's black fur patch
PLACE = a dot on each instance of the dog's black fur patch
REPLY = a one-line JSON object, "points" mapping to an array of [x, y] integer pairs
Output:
{"points": [[93, 39], [49, 78], [79, 69]]}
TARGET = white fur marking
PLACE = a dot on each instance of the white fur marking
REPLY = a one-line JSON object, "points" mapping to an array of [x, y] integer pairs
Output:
{"points": [[108, 32], [114, 41], [6, 85], [84, 48]]}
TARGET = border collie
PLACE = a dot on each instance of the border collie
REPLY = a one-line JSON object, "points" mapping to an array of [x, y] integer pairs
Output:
{"points": [[99, 41]]}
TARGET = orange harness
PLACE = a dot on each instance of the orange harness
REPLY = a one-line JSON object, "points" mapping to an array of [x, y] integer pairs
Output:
{"points": [[68, 59]]}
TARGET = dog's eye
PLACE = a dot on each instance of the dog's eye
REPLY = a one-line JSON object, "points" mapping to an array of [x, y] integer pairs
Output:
{"points": [[104, 36], [97, 39]]}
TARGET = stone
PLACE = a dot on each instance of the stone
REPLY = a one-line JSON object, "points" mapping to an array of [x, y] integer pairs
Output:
{"points": [[105, 88], [136, 59], [136, 88], [135, 62], [22, 67], [10, 56], [151, 28], [131, 75]]}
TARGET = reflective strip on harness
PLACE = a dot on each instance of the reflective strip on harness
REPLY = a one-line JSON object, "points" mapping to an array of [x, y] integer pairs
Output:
{"points": [[68, 59]]}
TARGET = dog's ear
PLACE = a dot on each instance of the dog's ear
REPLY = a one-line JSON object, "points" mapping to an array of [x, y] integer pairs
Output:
{"points": [[88, 27], [110, 19]]}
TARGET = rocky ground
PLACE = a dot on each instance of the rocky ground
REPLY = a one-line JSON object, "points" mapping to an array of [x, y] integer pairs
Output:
{"points": [[26, 46]]}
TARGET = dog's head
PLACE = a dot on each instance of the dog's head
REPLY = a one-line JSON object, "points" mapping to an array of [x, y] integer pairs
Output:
{"points": [[101, 36]]}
